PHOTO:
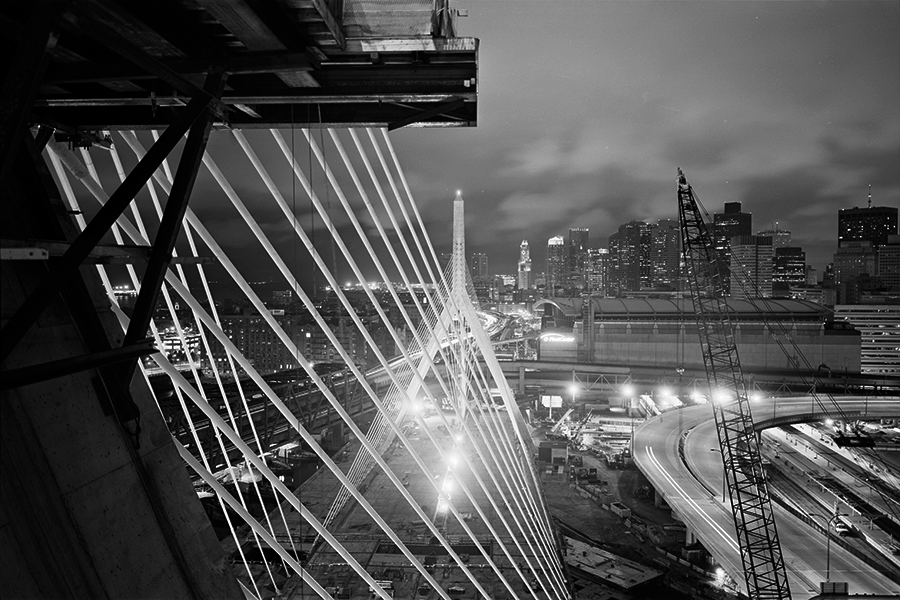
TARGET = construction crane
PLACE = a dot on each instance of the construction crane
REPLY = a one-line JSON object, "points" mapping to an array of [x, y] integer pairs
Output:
{"points": [[754, 521]]}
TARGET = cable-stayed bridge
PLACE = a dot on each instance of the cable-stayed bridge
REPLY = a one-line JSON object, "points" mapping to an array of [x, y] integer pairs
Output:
{"points": [[277, 114], [476, 444], [431, 492]]}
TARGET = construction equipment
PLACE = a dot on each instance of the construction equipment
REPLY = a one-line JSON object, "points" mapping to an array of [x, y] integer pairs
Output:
{"points": [[561, 421], [754, 521]]}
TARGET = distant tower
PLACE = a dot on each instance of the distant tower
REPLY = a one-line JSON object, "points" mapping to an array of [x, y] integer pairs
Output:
{"points": [[577, 253], [479, 264], [727, 225], [751, 266], [789, 266], [632, 267], [556, 264], [780, 237], [525, 281], [458, 256], [665, 238], [871, 224], [597, 269]]}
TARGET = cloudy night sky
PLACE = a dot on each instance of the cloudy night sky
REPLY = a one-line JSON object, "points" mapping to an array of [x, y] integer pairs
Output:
{"points": [[586, 109]]}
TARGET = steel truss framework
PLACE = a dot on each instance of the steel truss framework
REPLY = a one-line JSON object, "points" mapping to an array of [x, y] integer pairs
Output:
{"points": [[754, 519], [496, 475]]}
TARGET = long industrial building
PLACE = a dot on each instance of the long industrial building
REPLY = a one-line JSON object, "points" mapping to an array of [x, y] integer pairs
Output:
{"points": [[639, 332]]}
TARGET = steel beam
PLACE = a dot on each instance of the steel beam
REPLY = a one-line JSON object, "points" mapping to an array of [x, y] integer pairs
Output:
{"points": [[26, 70], [110, 38], [102, 254], [249, 64], [161, 255], [67, 266], [424, 115], [14, 378]]}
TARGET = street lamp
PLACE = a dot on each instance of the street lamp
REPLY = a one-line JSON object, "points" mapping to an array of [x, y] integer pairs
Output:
{"points": [[828, 543], [723, 473]]}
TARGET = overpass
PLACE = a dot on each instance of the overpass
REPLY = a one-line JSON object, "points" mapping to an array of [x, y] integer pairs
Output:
{"points": [[664, 445]]}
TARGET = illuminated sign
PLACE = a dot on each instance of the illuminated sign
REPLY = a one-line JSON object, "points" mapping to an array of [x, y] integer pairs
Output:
{"points": [[556, 337], [551, 401]]}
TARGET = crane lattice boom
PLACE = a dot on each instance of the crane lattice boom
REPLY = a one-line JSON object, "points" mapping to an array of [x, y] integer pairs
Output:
{"points": [[752, 510]]}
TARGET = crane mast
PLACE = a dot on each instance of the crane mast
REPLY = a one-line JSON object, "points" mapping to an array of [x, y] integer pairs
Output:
{"points": [[751, 507]]}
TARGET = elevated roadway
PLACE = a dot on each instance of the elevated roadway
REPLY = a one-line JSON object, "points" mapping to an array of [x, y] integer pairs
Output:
{"points": [[696, 498]]}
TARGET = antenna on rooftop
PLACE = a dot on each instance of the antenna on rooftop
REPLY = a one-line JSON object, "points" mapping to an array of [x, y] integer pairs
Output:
{"points": [[870, 195]]}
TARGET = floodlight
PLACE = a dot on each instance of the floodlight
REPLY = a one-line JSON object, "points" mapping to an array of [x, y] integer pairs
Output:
{"points": [[722, 396]]}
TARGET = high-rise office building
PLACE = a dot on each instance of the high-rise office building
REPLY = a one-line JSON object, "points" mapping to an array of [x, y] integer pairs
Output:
{"points": [[556, 264], [870, 224], [597, 271], [854, 258], [665, 240], [525, 279], [483, 284], [727, 225], [576, 255], [282, 298], [789, 266], [751, 266], [632, 268], [780, 237], [732, 223], [889, 262], [479, 265]]}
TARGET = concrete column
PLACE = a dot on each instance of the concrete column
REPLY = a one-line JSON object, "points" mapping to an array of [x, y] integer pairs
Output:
{"points": [[522, 379], [689, 536]]}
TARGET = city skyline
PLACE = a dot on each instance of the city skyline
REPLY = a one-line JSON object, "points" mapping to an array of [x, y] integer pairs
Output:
{"points": [[637, 89], [791, 108], [647, 87]]}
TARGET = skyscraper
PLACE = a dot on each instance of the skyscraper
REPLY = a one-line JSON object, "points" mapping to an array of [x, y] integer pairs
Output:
{"points": [[871, 224], [556, 264], [665, 240], [479, 264], [525, 280], [751, 266], [727, 225], [577, 252], [482, 283], [597, 271], [789, 266], [733, 222], [780, 237], [854, 258], [889, 262], [632, 271]]}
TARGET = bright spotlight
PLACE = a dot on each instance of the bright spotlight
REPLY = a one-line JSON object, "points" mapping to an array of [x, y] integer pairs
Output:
{"points": [[722, 396], [442, 505], [755, 397], [665, 392], [573, 389], [829, 423], [453, 459], [416, 407], [627, 390], [448, 485], [458, 437]]}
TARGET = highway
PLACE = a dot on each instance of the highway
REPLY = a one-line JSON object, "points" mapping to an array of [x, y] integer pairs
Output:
{"points": [[656, 454]]}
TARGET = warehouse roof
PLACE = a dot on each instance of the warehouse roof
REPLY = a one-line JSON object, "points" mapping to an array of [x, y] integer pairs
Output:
{"points": [[640, 309]]}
